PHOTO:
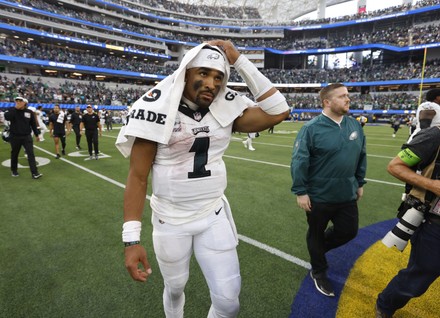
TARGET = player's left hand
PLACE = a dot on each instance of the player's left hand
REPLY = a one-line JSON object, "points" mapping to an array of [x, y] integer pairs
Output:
{"points": [[133, 256]]}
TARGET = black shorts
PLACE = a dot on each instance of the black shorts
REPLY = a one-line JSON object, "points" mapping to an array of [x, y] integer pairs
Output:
{"points": [[59, 135]]}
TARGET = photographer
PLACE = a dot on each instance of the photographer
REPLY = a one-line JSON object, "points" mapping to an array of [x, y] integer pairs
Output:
{"points": [[424, 262]]}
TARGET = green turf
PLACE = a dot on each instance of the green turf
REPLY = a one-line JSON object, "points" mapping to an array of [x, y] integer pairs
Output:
{"points": [[60, 236]]}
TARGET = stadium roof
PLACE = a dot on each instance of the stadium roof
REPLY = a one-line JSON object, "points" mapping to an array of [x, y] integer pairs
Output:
{"points": [[274, 10]]}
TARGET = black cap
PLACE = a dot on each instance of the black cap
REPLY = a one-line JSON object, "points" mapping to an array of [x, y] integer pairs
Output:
{"points": [[432, 94]]}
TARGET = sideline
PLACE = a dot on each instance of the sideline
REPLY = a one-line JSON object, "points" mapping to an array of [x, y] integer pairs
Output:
{"points": [[246, 239]]}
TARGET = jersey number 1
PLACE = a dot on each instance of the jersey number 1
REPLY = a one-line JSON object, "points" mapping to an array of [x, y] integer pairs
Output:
{"points": [[200, 148]]}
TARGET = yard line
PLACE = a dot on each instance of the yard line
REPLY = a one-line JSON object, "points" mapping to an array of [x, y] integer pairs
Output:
{"points": [[246, 239], [384, 145], [378, 156], [276, 252], [235, 138], [288, 166]]}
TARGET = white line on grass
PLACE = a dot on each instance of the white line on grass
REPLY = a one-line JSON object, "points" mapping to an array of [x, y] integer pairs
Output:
{"points": [[288, 166], [276, 252], [378, 156], [246, 239]]}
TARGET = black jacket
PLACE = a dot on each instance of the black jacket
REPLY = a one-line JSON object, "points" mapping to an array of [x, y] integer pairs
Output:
{"points": [[23, 122]]}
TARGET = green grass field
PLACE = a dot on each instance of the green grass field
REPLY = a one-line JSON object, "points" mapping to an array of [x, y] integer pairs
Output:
{"points": [[60, 236]]}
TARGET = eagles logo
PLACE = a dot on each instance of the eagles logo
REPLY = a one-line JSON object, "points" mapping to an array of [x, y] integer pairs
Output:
{"points": [[213, 56], [152, 96], [353, 135]]}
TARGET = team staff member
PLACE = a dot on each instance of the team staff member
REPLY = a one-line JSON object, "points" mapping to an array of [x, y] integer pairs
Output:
{"points": [[22, 123], [328, 171], [75, 123], [190, 213], [419, 155], [57, 129], [91, 122]]}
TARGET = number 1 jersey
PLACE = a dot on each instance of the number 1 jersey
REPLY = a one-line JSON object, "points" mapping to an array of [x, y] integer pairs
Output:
{"points": [[188, 174]]}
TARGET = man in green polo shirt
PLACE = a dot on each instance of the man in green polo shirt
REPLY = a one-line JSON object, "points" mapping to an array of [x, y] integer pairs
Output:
{"points": [[328, 170]]}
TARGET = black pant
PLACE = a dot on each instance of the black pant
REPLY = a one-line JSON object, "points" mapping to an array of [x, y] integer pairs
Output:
{"points": [[92, 141], [321, 239], [77, 134], [23, 141]]}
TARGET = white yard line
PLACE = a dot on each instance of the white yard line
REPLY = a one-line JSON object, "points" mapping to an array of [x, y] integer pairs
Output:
{"points": [[246, 239]]}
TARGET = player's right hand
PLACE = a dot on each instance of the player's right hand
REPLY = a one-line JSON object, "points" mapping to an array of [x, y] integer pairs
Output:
{"points": [[134, 255]]}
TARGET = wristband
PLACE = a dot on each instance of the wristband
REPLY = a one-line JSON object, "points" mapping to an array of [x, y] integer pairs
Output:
{"points": [[257, 83], [131, 231], [127, 244], [274, 104]]}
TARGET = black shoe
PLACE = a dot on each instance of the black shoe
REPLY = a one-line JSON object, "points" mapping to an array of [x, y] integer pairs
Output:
{"points": [[323, 285], [37, 175], [15, 174], [63, 152], [381, 314], [58, 156]]}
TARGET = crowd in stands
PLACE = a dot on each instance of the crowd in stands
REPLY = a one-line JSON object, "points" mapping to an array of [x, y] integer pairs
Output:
{"points": [[376, 72], [98, 93], [377, 101], [42, 51], [195, 10], [397, 36], [367, 73], [69, 92], [250, 13]]}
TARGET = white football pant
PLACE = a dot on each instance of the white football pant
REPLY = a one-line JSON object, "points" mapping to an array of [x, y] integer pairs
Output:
{"points": [[214, 245]]}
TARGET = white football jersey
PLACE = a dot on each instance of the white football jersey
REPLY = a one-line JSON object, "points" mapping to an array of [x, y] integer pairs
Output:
{"points": [[188, 174]]}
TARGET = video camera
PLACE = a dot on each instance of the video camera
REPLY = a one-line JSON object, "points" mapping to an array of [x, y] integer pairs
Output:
{"points": [[411, 213]]}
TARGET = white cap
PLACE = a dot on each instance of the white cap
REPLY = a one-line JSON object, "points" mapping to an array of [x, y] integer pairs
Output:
{"points": [[22, 99]]}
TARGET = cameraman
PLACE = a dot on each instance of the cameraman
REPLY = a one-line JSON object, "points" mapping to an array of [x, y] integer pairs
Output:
{"points": [[424, 262]]}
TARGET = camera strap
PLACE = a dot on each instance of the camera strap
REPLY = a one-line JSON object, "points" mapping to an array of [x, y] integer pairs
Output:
{"points": [[435, 175]]}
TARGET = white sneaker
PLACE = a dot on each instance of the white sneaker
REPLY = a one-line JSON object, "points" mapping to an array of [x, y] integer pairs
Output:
{"points": [[244, 143], [251, 148], [394, 135]]}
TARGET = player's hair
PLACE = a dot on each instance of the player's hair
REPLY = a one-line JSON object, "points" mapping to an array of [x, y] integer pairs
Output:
{"points": [[432, 94], [326, 91]]}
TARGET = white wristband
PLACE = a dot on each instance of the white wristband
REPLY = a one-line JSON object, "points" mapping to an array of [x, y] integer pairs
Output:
{"points": [[131, 231], [257, 83], [274, 104]]}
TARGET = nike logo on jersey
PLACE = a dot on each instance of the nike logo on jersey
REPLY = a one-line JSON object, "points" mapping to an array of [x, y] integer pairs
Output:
{"points": [[217, 212]]}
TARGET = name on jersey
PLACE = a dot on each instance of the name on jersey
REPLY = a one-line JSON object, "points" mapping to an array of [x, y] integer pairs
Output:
{"points": [[200, 129], [150, 116]]}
